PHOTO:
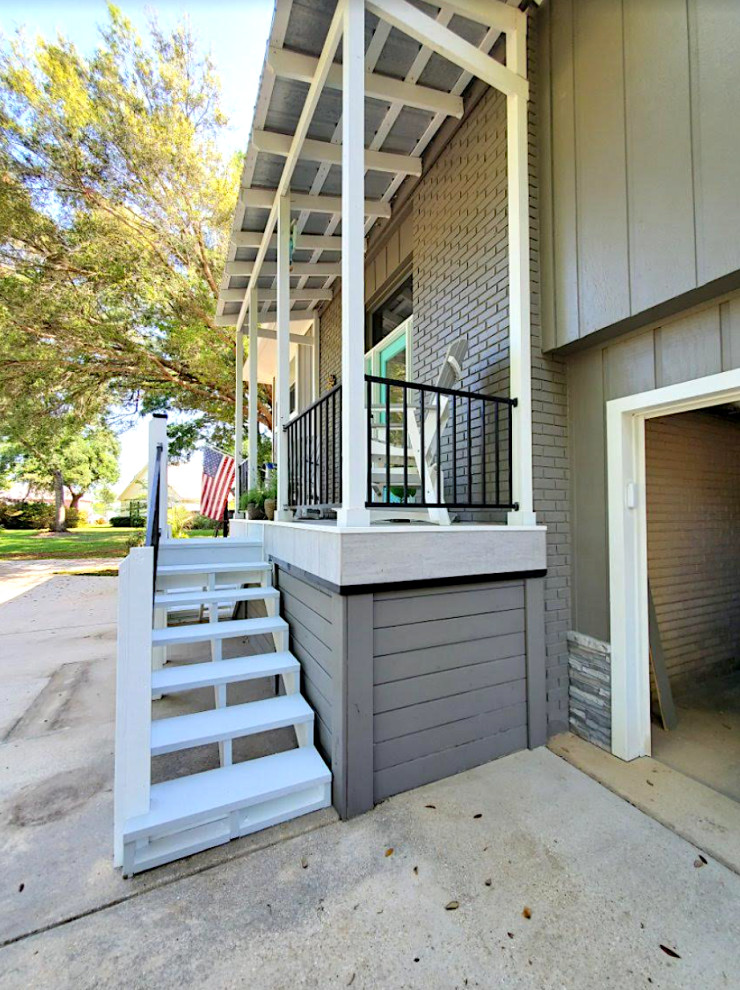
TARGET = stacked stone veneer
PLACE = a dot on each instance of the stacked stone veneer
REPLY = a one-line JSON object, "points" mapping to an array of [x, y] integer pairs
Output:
{"points": [[590, 690]]}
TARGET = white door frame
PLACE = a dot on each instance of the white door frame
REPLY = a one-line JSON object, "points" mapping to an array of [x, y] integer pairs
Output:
{"points": [[625, 430]]}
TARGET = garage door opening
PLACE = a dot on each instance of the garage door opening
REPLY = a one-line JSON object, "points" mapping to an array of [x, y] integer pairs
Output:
{"points": [[692, 489]]}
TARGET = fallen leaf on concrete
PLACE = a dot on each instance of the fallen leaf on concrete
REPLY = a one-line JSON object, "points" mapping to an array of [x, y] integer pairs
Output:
{"points": [[527, 913], [432, 806], [510, 934], [304, 862], [416, 870], [670, 952], [700, 861], [650, 783], [20, 888], [389, 852], [479, 815], [452, 906], [488, 882], [351, 980]]}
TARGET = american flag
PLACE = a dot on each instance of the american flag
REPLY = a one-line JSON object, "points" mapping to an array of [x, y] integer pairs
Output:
{"points": [[218, 478]]}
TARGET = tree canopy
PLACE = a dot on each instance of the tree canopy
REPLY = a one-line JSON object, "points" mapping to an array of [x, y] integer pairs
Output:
{"points": [[115, 205]]}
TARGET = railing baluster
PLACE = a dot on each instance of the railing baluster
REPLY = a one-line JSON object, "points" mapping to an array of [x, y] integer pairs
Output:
{"points": [[369, 443], [483, 449], [511, 455], [497, 453], [454, 448], [470, 456], [423, 446], [387, 444], [405, 446], [439, 449]]}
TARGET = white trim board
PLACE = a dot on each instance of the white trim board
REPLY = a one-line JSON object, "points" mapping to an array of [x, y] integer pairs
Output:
{"points": [[627, 515]]}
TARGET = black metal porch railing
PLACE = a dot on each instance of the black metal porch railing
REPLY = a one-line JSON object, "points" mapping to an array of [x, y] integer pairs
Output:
{"points": [[153, 524], [431, 447], [314, 453]]}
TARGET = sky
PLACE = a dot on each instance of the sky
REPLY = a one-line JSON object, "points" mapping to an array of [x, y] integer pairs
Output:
{"points": [[235, 32]]}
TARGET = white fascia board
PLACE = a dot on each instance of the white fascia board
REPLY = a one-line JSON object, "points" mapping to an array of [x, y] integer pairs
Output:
{"points": [[272, 143], [229, 319], [411, 21], [295, 338], [293, 65], [262, 199], [303, 242], [317, 269]]}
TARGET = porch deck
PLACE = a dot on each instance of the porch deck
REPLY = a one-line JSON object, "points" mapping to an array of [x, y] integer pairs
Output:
{"points": [[344, 558]]}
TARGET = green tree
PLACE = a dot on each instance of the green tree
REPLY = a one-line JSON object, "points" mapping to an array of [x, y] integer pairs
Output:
{"points": [[115, 205]]}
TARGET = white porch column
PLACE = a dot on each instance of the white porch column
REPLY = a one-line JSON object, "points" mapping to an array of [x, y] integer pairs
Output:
{"points": [[520, 357], [283, 357], [238, 414], [252, 421], [158, 435], [354, 451]]}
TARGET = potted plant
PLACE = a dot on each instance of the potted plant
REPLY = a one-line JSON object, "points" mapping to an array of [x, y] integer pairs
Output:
{"points": [[254, 500], [270, 503]]}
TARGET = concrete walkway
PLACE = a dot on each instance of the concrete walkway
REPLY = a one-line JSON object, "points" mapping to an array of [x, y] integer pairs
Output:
{"points": [[521, 873]]}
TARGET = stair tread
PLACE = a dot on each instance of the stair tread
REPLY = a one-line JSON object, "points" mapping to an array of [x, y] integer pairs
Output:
{"points": [[189, 676], [201, 728], [213, 567], [203, 631], [198, 596], [226, 788]]}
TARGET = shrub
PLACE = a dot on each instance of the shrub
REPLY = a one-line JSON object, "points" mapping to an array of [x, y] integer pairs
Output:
{"points": [[73, 518], [202, 522], [180, 521], [120, 521], [136, 539], [26, 515]]}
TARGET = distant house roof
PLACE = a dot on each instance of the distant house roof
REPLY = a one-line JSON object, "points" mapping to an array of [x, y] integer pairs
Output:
{"points": [[183, 484]]}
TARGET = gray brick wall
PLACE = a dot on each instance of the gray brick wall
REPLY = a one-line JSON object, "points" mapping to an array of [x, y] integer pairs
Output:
{"points": [[461, 286], [330, 343]]}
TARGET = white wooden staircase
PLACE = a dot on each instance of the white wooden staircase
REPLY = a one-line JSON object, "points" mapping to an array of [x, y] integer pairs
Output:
{"points": [[196, 579]]}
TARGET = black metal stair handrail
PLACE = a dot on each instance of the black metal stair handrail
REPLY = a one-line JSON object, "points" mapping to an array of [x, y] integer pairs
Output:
{"points": [[153, 525], [462, 454], [314, 453]]}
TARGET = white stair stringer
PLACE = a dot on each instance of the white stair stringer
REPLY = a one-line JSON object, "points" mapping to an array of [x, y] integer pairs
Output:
{"points": [[158, 823]]}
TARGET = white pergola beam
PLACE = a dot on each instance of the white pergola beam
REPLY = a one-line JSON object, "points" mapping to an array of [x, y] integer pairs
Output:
{"points": [[305, 339], [262, 199], [293, 65], [303, 242], [312, 269], [298, 318], [312, 98], [271, 295], [424, 29], [491, 13], [272, 143]]}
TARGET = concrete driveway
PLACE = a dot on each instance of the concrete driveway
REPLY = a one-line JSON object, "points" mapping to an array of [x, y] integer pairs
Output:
{"points": [[522, 873]]}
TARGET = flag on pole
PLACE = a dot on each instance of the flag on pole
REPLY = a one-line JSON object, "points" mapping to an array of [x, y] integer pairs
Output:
{"points": [[217, 482]]}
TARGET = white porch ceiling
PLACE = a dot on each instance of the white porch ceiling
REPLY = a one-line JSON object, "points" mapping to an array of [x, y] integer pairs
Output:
{"points": [[410, 92]]}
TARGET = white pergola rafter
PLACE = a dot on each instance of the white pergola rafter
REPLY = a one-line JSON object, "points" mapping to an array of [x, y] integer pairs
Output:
{"points": [[273, 143], [303, 242], [263, 198], [293, 65], [311, 269]]}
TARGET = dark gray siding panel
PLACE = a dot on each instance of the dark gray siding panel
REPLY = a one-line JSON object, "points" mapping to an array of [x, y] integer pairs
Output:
{"points": [[601, 177], [450, 681], [641, 190], [314, 617]]}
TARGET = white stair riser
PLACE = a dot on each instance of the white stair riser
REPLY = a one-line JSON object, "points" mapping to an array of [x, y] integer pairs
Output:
{"points": [[210, 552]]}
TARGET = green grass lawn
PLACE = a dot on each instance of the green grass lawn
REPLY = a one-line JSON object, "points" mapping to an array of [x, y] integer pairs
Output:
{"points": [[83, 543]]}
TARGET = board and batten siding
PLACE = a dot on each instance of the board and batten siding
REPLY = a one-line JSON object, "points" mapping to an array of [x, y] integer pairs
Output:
{"points": [[449, 681], [703, 341], [693, 536], [638, 148]]}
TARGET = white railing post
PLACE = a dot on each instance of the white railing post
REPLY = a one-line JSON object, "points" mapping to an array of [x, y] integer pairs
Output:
{"points": [[157, 436], [283, 357], [252, 423], [132, 777], [520, 349], [354, 449], [238, 416]]}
